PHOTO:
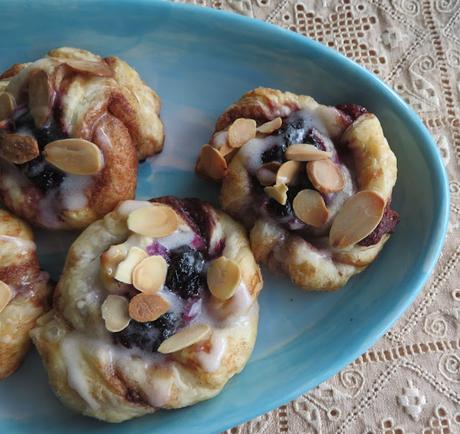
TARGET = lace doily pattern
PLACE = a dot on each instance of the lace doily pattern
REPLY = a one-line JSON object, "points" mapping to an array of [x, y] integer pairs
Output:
{"points": [[409, 382]]}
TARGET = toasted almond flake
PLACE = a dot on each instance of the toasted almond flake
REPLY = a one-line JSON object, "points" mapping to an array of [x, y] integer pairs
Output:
{"points": [[357, 218], [40, 97], [270, 127], [17, 149], [223, 278], [125, 268], [99, 68], [266, 174], [185, 338], [114, 312], [112, 257], [309, 207], [325, 175], [288, 172], [277, 192], [6, 294], [7, 105], [241, 131], [154, 221], [74, 156], [150, 274], [211, 163], [305, 152], [227, 151], [147, 307]]}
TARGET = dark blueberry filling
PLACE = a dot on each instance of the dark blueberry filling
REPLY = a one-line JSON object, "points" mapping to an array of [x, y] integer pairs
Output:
{"points": [[386, 226], [185, 278], [185, 273], [148, 336], [352, 110], [42, 174], [276, 153], [293, 132]]}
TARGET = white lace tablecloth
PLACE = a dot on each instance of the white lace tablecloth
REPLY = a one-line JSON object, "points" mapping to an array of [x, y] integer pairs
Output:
{"points": [[409, 382]]}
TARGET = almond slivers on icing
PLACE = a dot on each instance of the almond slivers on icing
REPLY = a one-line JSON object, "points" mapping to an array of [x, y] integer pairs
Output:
{"points": [[154, 221], [185, 338], [223, 278], [357, 218], [114, 311]]}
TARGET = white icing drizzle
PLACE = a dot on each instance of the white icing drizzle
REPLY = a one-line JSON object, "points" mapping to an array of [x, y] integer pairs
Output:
{"points": [[220, 138], [21, 243], [251, 151], [175, 302], [76, 376], [241, 300], [47, 209], [157, 390], [183, 236], [211, 361], [72, 192]]}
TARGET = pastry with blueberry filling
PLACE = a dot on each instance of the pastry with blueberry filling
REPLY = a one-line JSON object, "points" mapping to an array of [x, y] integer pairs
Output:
{"points": [[312, 183], [73, 126], [156, 308], [24, 291]]}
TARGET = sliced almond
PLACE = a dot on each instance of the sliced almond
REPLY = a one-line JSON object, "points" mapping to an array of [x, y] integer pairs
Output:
{"points": [[147, 307], [211, 163], [325, 175], [241, 131], [125, 268], [305, 152], [223, 278], [277, 192], [150, 274], [7, 105], [18, 149], [40, 97], [6, 294], [270, 127], [99, 68], [288, 172], [309, 207], [114, 312], [266, 174], [74, 156], [153, 221], [227, 151], [357, 218], [185, 338]]}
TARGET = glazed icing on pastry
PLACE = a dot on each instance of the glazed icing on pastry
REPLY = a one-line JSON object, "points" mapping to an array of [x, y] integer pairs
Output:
{"points": [[24, 291], [312, 182], [156, 308], [72, 127]]}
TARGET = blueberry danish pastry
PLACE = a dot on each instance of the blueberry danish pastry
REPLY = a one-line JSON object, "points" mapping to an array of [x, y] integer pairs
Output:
{"points": [[24, 291], [73, 126], [313, 183], [156, 308]]}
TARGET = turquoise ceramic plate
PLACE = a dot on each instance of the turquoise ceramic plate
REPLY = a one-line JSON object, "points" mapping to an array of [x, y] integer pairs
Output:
{"points": [[199, 61]]}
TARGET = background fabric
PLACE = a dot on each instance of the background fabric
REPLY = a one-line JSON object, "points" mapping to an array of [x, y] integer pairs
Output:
{"points": [[409, 382]]}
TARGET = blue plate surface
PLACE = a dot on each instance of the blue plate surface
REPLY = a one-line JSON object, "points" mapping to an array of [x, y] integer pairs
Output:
{"points": [[199, 61]]}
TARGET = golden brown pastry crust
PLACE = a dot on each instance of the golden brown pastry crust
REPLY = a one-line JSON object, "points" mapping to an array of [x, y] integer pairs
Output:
{"points": [[94, 376], [375, 164], [115, 110], [20, 270]]}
